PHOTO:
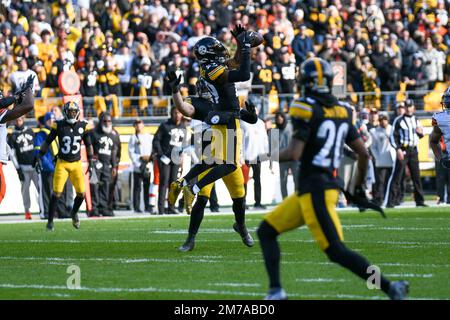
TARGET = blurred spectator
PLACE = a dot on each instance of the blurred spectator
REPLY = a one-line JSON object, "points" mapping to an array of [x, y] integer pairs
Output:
{"points": [[390, 76], [416, 79], [383, 156], [47, 161], [285, 135], [262, 76], [167, 144], [106, 165], [285, 79], [21, 142], [256, 148], [434, 62], [140, 150], [302, 45]]}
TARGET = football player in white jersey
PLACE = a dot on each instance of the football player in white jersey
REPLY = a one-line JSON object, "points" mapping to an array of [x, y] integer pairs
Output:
{"points": [[23, 101], [441, 128]]}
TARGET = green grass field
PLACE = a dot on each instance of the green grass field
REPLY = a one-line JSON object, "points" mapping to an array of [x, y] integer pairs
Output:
{"points": [[137, 258]]}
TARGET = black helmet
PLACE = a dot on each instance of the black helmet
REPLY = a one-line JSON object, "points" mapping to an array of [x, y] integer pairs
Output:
{"points": [[445, 102], [316, 76], [209, 49], [71, 105]]}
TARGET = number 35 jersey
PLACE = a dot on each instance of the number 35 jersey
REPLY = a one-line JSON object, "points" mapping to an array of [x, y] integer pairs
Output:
{"points": [[325, 130], [69, 138]]}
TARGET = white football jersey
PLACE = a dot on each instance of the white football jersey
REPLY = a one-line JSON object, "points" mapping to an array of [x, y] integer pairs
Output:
{"points": [[442, 120], [4, 153]]}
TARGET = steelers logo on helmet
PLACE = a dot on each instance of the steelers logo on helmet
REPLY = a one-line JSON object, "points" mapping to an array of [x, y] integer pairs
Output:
{"points": [[316, 76], [71, 112], [445, 102], [215, 119], [202, 50]]}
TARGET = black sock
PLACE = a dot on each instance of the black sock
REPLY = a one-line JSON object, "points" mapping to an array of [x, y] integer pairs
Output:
{"points": [[239, 210], [354, 262], [197, 213], [52, 208], [76, 205], [215, 174], [196, 170], [271, 252]]}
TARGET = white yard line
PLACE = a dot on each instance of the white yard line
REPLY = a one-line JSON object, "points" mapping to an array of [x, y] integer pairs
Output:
{"points": [[234, 284], [194, 291], [320, 280]]}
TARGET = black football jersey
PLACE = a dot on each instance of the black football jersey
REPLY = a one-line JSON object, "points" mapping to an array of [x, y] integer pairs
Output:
{"points": [[223, 95], [325, 130], [69, 138]]}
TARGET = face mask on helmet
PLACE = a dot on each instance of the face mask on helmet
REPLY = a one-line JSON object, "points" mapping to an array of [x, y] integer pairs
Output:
{"points": [[202, 90], [71, 112]]}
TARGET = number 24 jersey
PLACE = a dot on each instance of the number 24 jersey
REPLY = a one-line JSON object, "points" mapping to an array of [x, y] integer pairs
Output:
{"points": [[325, 130], [69, 138]]}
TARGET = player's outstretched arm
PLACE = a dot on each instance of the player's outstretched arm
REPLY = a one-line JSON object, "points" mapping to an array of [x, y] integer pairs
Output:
{"points": [[359, 147], [185, 108], [22, 105]]}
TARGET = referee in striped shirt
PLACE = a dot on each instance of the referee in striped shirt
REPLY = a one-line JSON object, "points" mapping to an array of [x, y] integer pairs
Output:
{"points": [[405, 136]]}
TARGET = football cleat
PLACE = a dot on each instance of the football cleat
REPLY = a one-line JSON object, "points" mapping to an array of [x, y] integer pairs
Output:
{"points": [[245, 235], [28, 216], [75, 221], [399, 290], [276, 294], [189, 198], [174, 190], [187, 246], [50, 226]]}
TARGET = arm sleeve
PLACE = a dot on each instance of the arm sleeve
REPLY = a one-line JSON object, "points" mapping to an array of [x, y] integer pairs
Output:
{"points": [[243, 73]]}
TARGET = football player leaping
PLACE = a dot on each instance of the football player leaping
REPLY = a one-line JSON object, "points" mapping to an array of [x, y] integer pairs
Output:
{"points": [[23, 102], [70, 131], [441, 128], [321, 128], [198, 108], [217, 75]]}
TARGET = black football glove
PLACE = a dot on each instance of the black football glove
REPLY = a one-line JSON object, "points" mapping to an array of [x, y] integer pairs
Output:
{"points": [[445, 162], [37, 165], [21, 92], [250, 106], [359, 198], [238, 29], [244, 42], [174, 81]]}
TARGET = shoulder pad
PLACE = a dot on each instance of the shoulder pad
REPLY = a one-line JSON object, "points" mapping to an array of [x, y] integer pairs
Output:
{"points": [[213, 71], [301, 110]]}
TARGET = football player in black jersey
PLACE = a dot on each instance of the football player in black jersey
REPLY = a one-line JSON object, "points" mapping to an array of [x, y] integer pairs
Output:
{"points": [[322, 126], [69, 131], [218, 77], [198, 108]]}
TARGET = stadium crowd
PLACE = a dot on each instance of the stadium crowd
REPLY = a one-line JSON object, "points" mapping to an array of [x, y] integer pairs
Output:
{"points": [[125, 48]]}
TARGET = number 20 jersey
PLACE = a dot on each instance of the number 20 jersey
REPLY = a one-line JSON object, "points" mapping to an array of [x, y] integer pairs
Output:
{"points": [[325, 130], [69, 138]]}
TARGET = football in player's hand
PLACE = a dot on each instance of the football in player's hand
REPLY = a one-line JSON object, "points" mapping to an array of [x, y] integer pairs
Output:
{"points": [[255, 38]]}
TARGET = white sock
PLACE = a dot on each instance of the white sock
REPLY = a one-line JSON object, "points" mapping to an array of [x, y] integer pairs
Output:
{"points": [[195, 189]]}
